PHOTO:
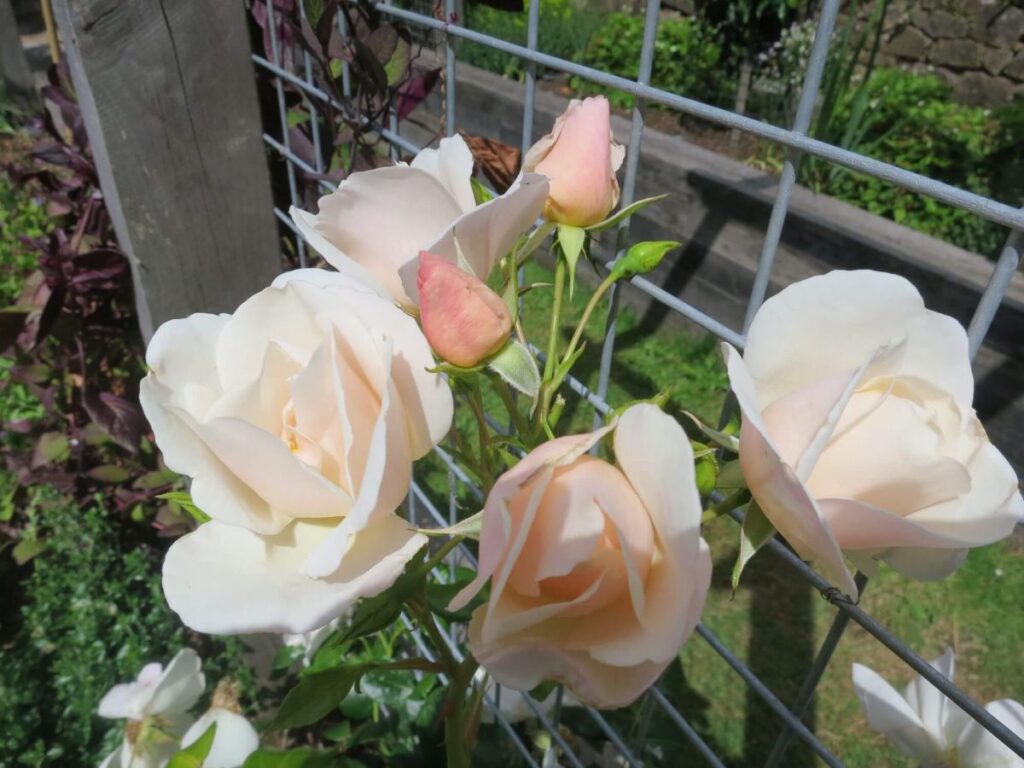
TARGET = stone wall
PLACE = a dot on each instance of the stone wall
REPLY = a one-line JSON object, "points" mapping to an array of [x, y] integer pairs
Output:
{"points": [[977, 46]]}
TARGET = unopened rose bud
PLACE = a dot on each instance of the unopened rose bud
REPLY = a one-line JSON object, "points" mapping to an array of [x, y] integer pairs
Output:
{"points": [[580, 159], [463, 319]]}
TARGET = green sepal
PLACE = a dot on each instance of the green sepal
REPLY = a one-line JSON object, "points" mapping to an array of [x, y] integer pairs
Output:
{"points": [[719, 438], [626, 212], [572, 241], [757, 530], [515, 365], [195, 753]]}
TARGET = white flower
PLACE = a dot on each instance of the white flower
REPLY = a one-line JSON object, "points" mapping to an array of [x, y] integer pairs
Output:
{"points": [[377, 222], [233, 741], [156, 707], [858, 433], [297, 418], [924, 724]]}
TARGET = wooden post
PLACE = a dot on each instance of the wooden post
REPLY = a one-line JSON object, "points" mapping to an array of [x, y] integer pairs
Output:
{"points": [[14, 70], [168, 96]]}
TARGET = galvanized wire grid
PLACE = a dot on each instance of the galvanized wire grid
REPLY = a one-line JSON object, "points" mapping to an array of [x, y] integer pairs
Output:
{"points": [[421, 508]]}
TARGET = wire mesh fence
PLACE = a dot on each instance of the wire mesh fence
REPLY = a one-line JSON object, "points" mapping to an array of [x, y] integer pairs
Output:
{"points": [[444, 27]]}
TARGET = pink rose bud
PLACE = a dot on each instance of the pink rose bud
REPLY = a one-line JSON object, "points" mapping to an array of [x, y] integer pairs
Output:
{"points": [[580, 159], [463, 319]]}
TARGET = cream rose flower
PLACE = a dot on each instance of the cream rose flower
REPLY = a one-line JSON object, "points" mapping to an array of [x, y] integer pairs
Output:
{"points": [[858, 434], [297, 418], [598, 571], [356, 231]]}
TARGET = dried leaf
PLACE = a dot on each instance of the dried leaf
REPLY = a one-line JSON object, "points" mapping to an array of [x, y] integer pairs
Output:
{"points": [[498, 161]]}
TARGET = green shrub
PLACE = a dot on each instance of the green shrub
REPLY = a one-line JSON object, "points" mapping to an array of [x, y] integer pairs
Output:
{"points": [[688, 58], [911, 121], [91, 615], [20, 215], [564, 31]]}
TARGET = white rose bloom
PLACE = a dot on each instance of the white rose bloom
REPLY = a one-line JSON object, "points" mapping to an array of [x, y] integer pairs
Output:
{"points": [[356, 230], [858, 434], [297, 418]]}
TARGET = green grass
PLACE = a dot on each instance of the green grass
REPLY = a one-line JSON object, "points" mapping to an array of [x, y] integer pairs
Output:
{"points": [[776, 621]]}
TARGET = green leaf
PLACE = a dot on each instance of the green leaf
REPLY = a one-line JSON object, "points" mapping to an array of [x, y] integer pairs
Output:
{"points": [[730, 477], [511, 296], [109, 473], [51, 447], [155, 479], [642, 258], [440, 595], [515, 364], [469, 528], [572, 241], [194, 754], [314, 697], [481, 194], [375, 613], [303, 757], [184, 500], [721, 439], [629, 210], [398, 64], [26, 549], [756, 532]]}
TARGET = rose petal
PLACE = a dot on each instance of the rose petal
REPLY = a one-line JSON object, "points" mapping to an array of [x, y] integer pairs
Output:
{"points": [[858, 525], [891, 459], [792, 341], [451, 164], [497, 530], [988, 512], [225, 580], [655, 455], [778, 491], [525, 665], [306, 223], [358, 220], [924, 564], [384, 483], [488, 232], [215, 488], [426, 397]]}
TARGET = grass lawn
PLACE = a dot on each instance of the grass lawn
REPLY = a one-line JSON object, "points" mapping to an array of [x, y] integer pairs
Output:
{"points": [[776, 621]]}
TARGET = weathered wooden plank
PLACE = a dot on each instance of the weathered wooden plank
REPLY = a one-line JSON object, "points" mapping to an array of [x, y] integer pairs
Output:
{"points": [[170, 103], [14, 69]]}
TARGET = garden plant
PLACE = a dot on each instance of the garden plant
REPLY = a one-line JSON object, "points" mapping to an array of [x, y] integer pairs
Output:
{"points": [[214, 548]]}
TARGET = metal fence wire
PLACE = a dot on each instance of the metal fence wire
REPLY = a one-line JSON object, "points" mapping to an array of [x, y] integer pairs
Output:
{"points": [[631, 750]]}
